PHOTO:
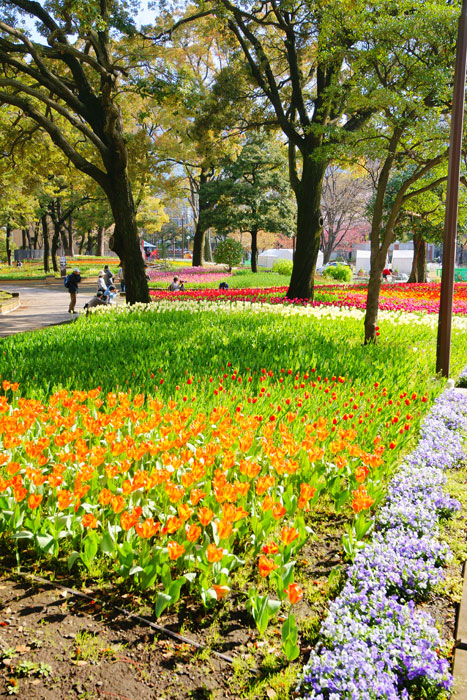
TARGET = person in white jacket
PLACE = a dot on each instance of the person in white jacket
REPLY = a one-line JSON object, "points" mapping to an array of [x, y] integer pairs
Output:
{"points": [[101, 285]]}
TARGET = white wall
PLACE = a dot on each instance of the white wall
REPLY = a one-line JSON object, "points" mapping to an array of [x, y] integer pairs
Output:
{"points": [[402, 261]]}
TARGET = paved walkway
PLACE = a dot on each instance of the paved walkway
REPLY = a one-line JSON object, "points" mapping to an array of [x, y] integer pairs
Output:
{"points": [[41, 306]]}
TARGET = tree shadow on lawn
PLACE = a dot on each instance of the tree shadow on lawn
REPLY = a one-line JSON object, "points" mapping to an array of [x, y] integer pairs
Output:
{"points": [[120, 352]]}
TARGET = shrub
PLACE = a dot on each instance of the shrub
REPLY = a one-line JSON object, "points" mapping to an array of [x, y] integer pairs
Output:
{"points": [[339, 272], [229, 252], [283, 267]]}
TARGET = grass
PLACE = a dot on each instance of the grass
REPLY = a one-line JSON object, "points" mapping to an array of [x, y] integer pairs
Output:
{"points": [[123, 350], [34, 270]]}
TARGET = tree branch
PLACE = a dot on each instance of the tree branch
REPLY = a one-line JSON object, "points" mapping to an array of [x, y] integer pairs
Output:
{"points": [[58, 138]]}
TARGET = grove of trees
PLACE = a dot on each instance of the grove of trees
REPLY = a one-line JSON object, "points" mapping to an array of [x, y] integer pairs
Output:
{"points": [[273, 116]]}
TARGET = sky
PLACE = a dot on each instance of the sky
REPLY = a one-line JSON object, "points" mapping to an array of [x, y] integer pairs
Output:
{"points": [[144, 16]]}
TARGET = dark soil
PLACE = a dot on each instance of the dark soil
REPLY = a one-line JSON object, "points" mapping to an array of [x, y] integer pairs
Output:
{"points": [[56, 645], [89, 650]]}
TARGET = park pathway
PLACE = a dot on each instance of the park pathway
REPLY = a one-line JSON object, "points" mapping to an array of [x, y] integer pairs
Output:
{"points": [[40, 306]]}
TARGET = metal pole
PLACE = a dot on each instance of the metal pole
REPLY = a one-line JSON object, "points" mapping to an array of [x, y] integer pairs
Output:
{"points": [[443, 354], [183, 240]]}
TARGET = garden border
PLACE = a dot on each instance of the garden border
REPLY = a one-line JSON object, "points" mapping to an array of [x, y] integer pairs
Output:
{"points": [[10, 304]]}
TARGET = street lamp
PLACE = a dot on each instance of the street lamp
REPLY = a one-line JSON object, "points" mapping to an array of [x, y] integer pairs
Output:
{"points": [[443, 350]]}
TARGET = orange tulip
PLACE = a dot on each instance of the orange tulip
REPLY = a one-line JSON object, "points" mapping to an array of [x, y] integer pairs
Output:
{"points": [[12, 468], [64, 498], [89, 521], [214, 553], [278, 511], [105, 497], [147, 529], [267, 503], [361, 473], [127, 521], [175, 550], [288, 535], [118, 504], [362, 501], [20, 493], [264, 483], [193, 532], [221, 591], [34, 500], [184, 511], [196, 496], [294, 593], [224, 529], [272, 548], [205, 515], [266, 566]]}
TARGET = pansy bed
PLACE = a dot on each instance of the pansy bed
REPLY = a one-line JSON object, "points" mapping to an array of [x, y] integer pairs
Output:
{"points": [[374, 642]]}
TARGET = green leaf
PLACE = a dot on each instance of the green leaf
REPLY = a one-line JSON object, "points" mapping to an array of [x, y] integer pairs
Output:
{"points": [[45, 543], [162, 601], [74, 556], [107, 544]]}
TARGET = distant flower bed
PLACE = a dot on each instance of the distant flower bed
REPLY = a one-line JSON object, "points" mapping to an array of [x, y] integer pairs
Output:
{"points": [[193, 275], [422, 298]]}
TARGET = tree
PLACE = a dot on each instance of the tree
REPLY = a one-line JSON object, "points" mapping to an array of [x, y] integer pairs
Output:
{"points": [[252, 194], [229, 252], [409, 136], [193, 109], [344, 204], [69, 87], [300, 57]]}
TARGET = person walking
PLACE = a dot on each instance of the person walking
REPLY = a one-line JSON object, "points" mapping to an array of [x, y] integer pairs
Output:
{"points": [[73, 280], [109, 278]]}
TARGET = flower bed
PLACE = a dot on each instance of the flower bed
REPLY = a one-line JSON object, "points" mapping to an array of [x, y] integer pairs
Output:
{"points": [[177, 493], [375, 643], [421, 298]]}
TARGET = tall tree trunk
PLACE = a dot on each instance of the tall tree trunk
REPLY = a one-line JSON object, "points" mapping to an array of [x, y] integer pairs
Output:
{"points": [[55, 246], [200, 231], [125, 241], [45, 237], [207, 247], [422, 275], [100, 241], [374, 289], [81, 243], [419, 259], [309, 228], [254, 249], [69, 250], [90, 242], [8, 243]]}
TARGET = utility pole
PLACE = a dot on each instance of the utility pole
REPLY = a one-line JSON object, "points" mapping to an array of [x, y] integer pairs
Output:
{"points": [[443, 350]]}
